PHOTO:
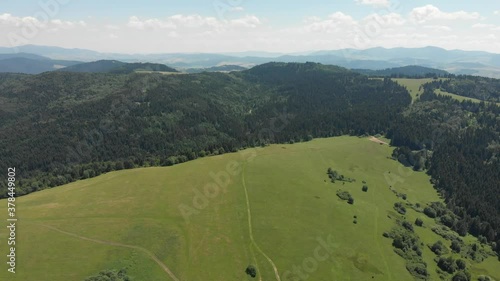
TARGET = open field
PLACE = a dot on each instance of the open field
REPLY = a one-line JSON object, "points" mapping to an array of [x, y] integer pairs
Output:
{"points": [[460, 98], [208, 219], [457, 97], [413, 86]]}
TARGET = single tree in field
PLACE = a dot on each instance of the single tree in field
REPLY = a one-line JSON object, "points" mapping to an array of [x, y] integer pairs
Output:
{"points": [[250, 270]]}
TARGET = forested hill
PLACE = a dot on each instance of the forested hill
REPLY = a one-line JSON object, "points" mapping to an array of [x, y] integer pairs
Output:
{"points": [[410, 71], [458, 144], [58, 127], [114, 66]]}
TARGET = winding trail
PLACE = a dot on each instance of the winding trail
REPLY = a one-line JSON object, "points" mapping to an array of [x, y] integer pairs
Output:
{"points": [[150, 254], [276, 273]]}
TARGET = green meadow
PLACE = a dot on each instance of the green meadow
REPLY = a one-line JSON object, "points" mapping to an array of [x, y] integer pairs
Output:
{"points": [[459, 98], [273, 208], [413, 86]]}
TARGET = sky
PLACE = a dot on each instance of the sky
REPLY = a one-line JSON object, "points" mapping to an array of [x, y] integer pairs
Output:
{"points": [[221, 26]]}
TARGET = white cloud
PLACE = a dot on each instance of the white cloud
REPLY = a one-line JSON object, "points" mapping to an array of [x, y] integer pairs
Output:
{"points": [[486, 26], [135, 22], [438, 27], [10, 20], [196, 33], [385, 20], [430, 13], [497, 12], [112, 27], [374, 3], [67, 24], [194, 22], [333, 23], [247, 21], [482, 25]]}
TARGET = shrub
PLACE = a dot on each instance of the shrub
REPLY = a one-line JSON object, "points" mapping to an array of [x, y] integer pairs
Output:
{"points": [[106, 275], [430, 212], [408, 226], [447, 264], [398, 206], [455, 246], [461, 264], [417, 270], [448, 220], [350, 200], [439, 248], [344, 195], [419, 222], [365, 188], [250, 270], [462, 276]]}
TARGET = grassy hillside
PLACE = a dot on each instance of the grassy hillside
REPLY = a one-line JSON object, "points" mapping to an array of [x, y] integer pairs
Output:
{"points": [[413, 85], [270, 207], [79, 125]]}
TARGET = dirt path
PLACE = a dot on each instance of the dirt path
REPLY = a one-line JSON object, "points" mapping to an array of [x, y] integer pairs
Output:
{"points": [[276, 273], [150, 254], [374, 139]]}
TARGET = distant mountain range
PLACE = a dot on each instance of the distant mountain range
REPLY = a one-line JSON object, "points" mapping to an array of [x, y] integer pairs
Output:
{"points": [[31, 63], [114, 66], [453, 61], [222, 68], [404, 71]]}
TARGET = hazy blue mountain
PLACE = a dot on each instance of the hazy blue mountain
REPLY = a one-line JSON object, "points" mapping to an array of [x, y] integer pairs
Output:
{"points": [[23, 55], [254, 54], [114, 66], [453, 61], [32, 66], [221, 68]]}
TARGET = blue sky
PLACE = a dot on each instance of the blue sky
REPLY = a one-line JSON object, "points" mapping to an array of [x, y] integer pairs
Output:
{"points": [[240, 25]]}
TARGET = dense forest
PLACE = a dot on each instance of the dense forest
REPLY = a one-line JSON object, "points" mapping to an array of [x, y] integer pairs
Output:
{"points": [[458, 144], [410, 71], [58, 127], [481, 88], [114, 66]]}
